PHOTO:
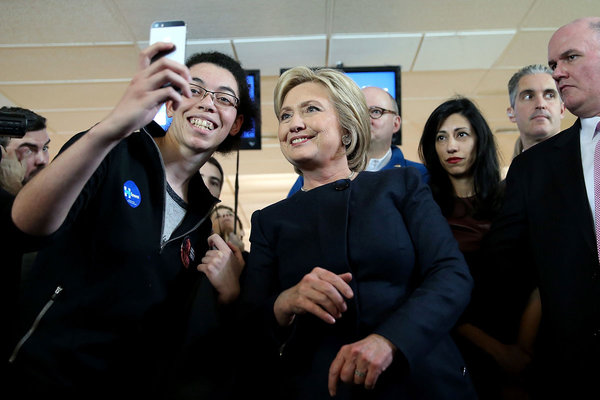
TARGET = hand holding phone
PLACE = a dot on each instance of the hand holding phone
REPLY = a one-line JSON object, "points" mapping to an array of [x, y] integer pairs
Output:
{"points": [[146, 93], [171, 32]]}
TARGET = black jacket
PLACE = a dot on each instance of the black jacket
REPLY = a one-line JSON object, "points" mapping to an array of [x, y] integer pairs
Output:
{"points": [[409, 279], [546, 228], [121, 301]]}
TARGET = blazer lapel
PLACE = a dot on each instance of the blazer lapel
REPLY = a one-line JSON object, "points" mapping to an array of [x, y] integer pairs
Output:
{"points": [[566, 167], [333, 209], [332, 213]]}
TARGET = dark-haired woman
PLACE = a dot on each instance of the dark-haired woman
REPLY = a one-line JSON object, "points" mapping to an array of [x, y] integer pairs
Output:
{"points": [[495, 335]]}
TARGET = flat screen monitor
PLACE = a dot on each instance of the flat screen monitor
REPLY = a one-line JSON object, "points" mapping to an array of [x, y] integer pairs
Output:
{"points": [[385, 77], [251, 139]]}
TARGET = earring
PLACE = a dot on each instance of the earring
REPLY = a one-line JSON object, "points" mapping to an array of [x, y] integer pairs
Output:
{"points": [[346, 140]]}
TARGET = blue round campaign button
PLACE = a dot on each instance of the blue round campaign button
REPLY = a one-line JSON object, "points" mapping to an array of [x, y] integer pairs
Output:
{"points": [[132, 194]]}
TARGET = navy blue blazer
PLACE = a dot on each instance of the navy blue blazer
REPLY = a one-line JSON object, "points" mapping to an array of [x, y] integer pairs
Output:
{"points": [[546, 226], [410, 282], [397, 160]]}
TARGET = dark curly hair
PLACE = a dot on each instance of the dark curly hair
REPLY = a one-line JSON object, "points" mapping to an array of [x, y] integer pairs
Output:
{"points": [[247, 108]]}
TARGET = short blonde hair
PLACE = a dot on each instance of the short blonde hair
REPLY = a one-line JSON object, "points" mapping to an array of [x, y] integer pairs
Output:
{"points": [[348, 100]]}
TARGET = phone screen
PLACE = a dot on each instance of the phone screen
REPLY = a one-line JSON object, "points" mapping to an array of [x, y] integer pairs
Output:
{"points": [[172, 32]]}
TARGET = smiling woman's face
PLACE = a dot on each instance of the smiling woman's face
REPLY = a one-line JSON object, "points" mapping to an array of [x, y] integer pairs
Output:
{"points": [[310, 135]]}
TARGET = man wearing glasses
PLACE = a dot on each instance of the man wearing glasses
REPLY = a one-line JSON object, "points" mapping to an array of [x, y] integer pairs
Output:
{"points": [[385, 122], [129, 299]]}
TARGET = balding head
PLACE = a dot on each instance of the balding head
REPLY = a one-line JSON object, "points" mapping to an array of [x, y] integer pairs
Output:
{"points": [[383, 128], [574, 57]]}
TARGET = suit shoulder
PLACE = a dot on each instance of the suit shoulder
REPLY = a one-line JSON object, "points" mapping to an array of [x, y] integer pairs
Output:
{"points": [[275, 208], [541, 149], [400, 173], [395, 177]]}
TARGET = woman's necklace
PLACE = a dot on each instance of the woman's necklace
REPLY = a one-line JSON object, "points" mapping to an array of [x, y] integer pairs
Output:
{"points": [[349, 177]]}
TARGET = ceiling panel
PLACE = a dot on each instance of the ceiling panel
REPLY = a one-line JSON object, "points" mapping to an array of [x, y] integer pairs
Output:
{"points": [[461, 51], [392, 49], [225, 19], [139, 15], [288, 52], [527, 47], [61, 21], [356, 16], [554, 13]]}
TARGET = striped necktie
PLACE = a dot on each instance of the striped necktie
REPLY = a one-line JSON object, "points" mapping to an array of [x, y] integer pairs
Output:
{"points": [[597, 189]]}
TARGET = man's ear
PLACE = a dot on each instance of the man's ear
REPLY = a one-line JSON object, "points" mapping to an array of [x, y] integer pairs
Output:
{"points": [[562, 110], [170, 111], [237, 125], [397, 123], [511, 114]]}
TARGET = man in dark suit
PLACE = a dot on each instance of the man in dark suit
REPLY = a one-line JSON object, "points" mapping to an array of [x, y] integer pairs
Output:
{"points": [[547, 227]]}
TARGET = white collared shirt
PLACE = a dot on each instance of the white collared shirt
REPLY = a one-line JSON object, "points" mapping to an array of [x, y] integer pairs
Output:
{"points": [[375, 164], [588, 141]]}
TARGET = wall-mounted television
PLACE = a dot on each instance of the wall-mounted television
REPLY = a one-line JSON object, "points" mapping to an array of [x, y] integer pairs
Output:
{"points": [[385, 77], [251, 139]]}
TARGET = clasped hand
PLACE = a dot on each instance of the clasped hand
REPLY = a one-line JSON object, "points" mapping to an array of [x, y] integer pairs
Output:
{"points": [[320, 292], [323, 294], [223, 265]]}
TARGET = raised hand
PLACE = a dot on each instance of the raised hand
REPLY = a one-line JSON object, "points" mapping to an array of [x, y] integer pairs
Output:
{"points": [[152, 85]]}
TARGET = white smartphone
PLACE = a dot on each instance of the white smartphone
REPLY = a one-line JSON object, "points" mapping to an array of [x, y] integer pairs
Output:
{"points": [[172, 32]]}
